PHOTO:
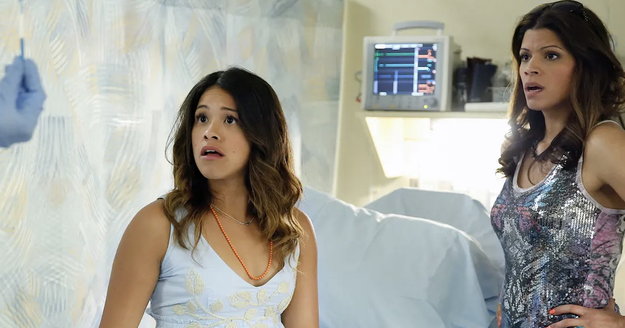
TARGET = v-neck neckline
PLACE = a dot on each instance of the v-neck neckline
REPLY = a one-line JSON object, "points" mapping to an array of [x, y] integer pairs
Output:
{"points": [[223, 262]]}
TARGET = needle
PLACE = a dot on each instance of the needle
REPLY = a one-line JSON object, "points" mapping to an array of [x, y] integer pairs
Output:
{"points": [[21, 28]]}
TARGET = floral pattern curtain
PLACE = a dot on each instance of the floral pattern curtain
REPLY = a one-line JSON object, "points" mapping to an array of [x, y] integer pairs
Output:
{"points": [[115, 72]]}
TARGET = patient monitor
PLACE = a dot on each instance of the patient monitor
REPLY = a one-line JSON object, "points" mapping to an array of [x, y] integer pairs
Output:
{"points": [[409, 72]]}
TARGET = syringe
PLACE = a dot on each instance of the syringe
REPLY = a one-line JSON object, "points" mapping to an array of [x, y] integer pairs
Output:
{"points": [[21, 27]]}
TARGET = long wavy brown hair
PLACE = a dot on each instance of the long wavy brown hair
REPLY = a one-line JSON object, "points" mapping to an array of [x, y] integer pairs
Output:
{"points": [[596, 93], [271, 183]]}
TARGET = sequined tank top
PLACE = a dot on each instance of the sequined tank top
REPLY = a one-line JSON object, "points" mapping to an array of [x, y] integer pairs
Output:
{"points": [[561, 247]]}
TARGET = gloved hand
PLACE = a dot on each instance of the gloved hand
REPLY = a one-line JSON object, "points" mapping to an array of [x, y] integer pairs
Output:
{"points": [[21, 102]]}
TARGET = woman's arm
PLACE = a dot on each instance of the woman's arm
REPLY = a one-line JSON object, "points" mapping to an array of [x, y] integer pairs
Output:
{"points": [[136, 268], [303, 311], [605, 156]]}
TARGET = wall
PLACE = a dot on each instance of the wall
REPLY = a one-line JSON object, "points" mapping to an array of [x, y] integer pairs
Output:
{"points": [[482, 28]]}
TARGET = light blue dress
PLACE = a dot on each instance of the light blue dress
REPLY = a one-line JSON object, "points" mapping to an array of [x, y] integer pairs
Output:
{"points": [[203, 291]]}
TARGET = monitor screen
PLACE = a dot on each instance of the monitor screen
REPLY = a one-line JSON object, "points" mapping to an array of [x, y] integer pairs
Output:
{"points": [[404, 69]]}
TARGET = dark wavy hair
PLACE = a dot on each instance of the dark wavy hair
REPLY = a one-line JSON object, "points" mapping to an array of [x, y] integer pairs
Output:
{"points": [[271, 183], [596, 92]]}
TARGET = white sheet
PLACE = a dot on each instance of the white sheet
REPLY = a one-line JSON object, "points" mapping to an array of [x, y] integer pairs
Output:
{"points": [[379, 270]]}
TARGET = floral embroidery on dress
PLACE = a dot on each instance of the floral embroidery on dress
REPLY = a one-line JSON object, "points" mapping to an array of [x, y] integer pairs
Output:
{"points": [[194, 308]]}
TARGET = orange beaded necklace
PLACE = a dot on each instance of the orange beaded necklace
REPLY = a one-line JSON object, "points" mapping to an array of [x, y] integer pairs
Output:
{"points": [[237, 254]]}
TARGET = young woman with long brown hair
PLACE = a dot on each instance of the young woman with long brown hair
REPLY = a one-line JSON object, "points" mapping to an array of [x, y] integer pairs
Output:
{"points": [[226, 247], [560, 215]]}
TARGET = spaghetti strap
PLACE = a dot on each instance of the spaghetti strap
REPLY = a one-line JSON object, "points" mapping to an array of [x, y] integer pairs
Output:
{"points": [[607, 121]]}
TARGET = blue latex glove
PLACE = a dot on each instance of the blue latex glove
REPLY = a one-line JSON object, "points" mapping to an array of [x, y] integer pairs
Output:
{"points": [[21, 102]]}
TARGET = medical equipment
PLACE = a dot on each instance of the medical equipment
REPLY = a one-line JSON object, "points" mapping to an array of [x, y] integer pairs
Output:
{"points": [[21, 28], [409, 72]]}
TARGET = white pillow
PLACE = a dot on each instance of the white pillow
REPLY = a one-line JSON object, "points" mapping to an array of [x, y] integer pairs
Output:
{"points": [[455, 209], [380, 270]]}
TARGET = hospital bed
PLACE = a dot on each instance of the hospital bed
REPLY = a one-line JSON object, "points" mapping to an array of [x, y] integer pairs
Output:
{"points": [[455, 209], [391, 270]]}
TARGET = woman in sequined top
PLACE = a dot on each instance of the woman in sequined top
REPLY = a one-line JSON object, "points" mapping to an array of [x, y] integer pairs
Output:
{"points": [[560, 215], [226, 247]]}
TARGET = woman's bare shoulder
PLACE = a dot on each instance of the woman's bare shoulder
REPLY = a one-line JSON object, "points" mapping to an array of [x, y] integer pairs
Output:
{"points": [[150, 225]]}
